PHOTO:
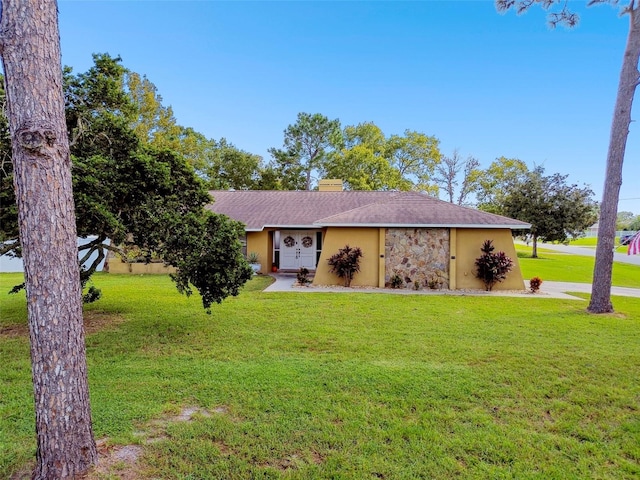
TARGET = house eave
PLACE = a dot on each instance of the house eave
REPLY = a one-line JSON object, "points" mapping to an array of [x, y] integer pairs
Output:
{"points": [[426, 225], [316, 226], [284, 227]]}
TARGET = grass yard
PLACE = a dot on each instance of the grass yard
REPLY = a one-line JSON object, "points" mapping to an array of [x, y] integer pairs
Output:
{"points": [[558, 267], [324, 385], [592, 242]]}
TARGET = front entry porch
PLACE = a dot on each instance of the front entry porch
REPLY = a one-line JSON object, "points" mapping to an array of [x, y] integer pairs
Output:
{"points": [[296, 249]]}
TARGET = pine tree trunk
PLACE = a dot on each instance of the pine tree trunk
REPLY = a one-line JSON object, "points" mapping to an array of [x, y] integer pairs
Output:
{"points": [[308, 179], [601, 288], [30, 49]]}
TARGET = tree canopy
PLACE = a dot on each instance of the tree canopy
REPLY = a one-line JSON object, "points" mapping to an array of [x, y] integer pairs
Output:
{"points": [[628, 221], [228, 167], [556, 210], [368, 160], [140, 189], [306, 144], [361, 160], [496, 180]]}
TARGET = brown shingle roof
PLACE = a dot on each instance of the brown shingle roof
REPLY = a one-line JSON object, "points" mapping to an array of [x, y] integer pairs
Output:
{"points": [[288, 209]]}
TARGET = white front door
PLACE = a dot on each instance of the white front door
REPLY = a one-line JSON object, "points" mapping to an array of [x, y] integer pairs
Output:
{"points": [[297, 249]]}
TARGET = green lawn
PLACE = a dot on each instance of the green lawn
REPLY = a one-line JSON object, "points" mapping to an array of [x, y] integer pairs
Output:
{"points": [[323, 385], [592, 242], [554, 266]]}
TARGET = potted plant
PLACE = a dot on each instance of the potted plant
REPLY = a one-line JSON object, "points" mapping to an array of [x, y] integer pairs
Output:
{"points": [[254, 260]]}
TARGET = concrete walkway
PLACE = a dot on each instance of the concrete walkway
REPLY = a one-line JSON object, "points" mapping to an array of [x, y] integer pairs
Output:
{"points": [[285, 282]]}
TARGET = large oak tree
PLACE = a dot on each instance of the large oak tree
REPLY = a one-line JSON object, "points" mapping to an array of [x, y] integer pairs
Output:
{"points": [[131, 187], [555, 209]]}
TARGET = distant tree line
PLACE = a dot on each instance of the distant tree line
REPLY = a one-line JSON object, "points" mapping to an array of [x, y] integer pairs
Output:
{"points": [[628, 221]]}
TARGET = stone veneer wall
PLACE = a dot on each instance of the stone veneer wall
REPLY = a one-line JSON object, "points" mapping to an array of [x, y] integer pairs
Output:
{"points": [[417, 254]]}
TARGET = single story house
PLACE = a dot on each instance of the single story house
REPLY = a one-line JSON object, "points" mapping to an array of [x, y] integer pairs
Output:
{"points": [[409, 234]]}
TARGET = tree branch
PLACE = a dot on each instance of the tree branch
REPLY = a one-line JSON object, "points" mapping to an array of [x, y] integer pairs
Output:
{"points": [[90, 244], [8, 245], [86, 274]]}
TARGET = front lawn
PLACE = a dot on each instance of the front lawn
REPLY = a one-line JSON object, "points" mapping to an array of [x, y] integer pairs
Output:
{"points": [[558, 267], [325, 385], [593, 241]]}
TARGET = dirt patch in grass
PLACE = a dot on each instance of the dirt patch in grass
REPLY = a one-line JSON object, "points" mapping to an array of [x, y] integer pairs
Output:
{"points": [[12, 331], [94, 321], [294, 461], [283, 464], [122, 462], [116, 462]]}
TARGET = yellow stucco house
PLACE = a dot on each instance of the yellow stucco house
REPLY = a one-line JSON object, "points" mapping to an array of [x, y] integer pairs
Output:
{"points": [[409, 234]]}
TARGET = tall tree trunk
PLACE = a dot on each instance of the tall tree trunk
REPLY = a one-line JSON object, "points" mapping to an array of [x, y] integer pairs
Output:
{"points": [[629, 76], [534, 248], [30, 50], [308, 179]]}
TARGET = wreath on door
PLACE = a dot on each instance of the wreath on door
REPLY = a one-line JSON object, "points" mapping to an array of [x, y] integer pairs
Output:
{"points": [[289, 241], [307, 242]]}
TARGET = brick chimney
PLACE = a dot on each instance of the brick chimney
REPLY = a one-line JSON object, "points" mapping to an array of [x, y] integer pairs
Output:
{"points": [[330, 185]]}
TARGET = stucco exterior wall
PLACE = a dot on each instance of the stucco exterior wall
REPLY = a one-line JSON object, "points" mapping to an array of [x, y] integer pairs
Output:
{"points": [[417, 255], [467, 248], [118, 266], [262, 244], [449, 254], [368, 239]]}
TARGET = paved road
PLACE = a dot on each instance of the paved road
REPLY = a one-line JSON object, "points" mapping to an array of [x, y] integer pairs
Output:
{"points": [[589, 252]]}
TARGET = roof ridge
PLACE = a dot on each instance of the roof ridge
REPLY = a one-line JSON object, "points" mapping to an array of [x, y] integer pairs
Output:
{"points": [[382, 200]]}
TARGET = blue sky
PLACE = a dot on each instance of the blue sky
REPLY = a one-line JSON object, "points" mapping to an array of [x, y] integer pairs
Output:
{"points": [[490, 85]]}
